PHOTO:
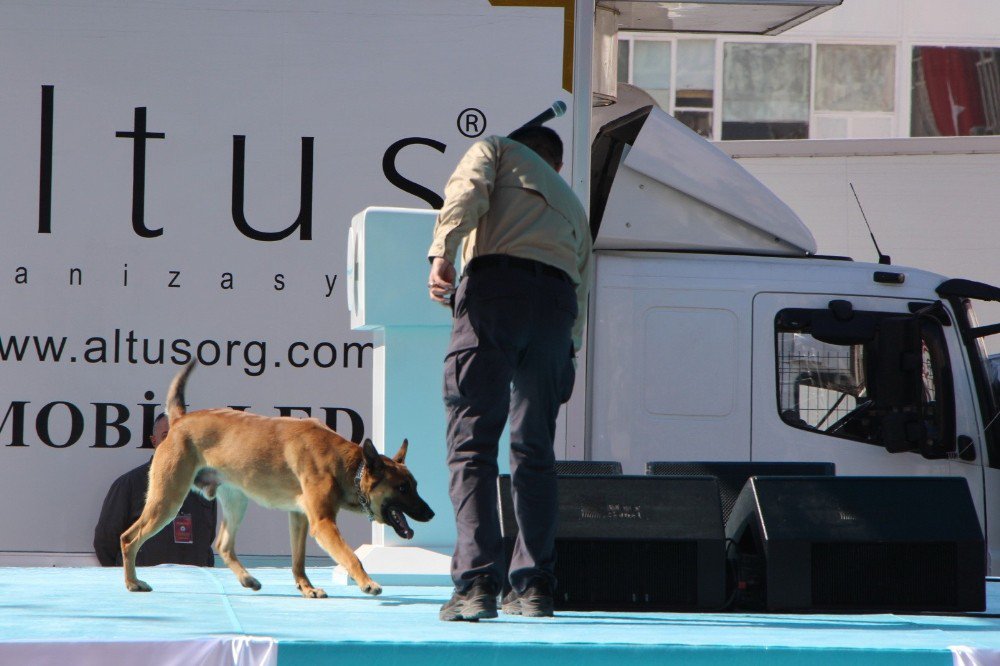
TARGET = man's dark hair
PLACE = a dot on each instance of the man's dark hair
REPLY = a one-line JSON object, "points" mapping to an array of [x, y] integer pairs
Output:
{"points": [[542, 140]]}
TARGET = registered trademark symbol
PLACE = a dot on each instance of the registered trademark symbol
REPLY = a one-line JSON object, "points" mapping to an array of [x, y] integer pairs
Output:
{"points": [[471, 122]]}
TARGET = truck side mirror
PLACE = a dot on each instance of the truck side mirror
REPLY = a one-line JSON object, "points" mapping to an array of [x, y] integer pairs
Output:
{"points": [[911, 387], [897, 383]]}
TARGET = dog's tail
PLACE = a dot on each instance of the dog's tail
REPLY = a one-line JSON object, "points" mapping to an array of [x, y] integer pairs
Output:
{"points": [[175, 395]]}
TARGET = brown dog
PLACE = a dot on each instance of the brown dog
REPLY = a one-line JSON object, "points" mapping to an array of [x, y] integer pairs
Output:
{"points": [[298, 465]]}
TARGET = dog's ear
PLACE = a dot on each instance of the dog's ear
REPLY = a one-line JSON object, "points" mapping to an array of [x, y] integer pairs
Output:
{"points": [[372, 457], [400, 456]]}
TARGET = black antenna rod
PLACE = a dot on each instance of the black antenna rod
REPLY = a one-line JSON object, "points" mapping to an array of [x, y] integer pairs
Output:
{"points": [[882, 258]]}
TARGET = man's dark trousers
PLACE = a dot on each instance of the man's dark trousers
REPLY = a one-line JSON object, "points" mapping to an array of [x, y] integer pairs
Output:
{"points": [[510, 354]]}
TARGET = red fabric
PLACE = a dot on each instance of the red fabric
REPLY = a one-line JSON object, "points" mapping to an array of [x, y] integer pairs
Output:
{"points": [[953, 88]]}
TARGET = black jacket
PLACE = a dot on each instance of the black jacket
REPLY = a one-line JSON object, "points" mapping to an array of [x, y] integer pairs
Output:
{"points": [[122, 507]]}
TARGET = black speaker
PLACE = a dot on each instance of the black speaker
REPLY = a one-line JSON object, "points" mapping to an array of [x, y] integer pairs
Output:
{"points": [[858, 544], [733, 476], [605, 467], [633, 543]]}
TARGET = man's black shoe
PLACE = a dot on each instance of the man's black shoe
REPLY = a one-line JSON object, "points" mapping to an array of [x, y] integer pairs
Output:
{"points": [[479, 602], [536, 601]]}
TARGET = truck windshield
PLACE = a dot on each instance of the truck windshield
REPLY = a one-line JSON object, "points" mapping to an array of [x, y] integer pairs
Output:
{"points": [[993, 373], [961, 293], [991, 370]]}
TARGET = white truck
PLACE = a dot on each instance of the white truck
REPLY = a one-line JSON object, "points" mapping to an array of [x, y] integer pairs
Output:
{"points": [[717, 333]]}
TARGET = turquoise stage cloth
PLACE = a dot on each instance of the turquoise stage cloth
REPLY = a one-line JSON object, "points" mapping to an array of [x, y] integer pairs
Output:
{"points": [[401, 626]]}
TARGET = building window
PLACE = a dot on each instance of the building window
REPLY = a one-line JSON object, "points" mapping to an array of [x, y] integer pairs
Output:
{"points": [[765, 91], [855, 92], [651, 69], [855, 78], [775, 90], [624, 46], [956, 91], [695, 84]]}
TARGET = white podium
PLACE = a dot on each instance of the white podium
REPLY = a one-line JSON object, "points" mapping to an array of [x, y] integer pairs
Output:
{"points": [[387, 272]]}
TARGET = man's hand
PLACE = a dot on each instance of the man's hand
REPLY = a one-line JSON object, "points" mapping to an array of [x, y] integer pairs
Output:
{"points": [[441, 281]]}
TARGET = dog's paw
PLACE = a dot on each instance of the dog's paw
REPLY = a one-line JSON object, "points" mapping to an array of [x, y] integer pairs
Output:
{"points": [[372, 588], [250, 582], [313, 593], [138, 586]]}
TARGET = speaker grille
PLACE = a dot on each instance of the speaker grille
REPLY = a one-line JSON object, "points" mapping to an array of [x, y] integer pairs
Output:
{"points": [[605, 467], [885, 575], [628, 575]]}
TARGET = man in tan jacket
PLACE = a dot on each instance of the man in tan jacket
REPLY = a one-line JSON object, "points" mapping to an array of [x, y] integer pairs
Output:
{"points": [[518, 321]]}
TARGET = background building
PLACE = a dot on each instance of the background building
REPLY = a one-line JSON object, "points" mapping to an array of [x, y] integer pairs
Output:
{"points": [[892, 68]]}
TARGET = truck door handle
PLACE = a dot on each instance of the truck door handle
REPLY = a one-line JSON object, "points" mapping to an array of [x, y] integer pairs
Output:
{"points": [[966, 448]]}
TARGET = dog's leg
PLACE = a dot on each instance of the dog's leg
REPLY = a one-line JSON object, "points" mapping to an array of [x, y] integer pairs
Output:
{"points": [[298, 525], [323, 527], [169, 479], [234, 506]]}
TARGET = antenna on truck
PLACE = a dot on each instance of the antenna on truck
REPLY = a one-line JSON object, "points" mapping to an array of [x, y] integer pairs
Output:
{"points": [[882, 258]]}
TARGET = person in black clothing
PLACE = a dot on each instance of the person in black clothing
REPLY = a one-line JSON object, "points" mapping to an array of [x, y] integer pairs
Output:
{"points": [[187, 540]]}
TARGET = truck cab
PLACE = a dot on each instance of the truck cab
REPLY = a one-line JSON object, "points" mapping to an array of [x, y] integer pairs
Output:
{"points": [[718, 333]]}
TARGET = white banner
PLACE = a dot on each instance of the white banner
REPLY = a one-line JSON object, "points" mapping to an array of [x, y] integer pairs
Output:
{"points": [[177, 182]]}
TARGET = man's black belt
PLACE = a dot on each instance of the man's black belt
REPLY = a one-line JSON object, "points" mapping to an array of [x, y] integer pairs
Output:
{"points": [[520, 263]]}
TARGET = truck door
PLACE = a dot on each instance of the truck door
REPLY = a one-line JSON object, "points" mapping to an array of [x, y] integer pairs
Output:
{"points": [[983, 379], [865, 383]]}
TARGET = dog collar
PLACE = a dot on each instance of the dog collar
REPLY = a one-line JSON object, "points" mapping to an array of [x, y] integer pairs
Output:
{"points": [[363, 500]]}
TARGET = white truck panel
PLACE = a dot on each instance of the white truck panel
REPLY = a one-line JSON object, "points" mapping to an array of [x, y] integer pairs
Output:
{"points": [[654, 334], [673, 190]]}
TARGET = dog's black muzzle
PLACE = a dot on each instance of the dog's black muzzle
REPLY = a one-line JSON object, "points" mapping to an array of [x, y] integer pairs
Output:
{"points": [[393, 516], [421, 512]]}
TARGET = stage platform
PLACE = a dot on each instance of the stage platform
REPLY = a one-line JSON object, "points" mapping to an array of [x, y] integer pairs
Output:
{"points": [[203, 616]]}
